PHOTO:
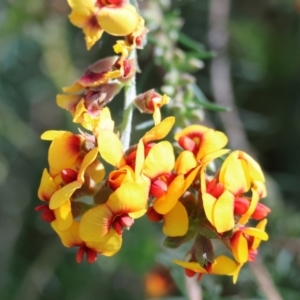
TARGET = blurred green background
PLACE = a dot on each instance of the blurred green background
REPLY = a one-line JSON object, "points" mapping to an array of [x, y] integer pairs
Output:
{"points": [[40, 52]]}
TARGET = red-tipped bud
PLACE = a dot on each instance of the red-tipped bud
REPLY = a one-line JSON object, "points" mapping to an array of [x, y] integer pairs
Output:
{"points": [[158, 188], [125, 221], [169, 177], [189, 273], [47, 214], [79, 254], [153, 215], [69, 175], [218, 190], [252, 255], [187, 143], [260, 212], [118, 227], [241, 206], [122, 221], [91, 255]]}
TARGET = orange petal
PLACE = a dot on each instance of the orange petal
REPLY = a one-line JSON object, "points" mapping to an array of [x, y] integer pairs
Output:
{"points": [[176, 221], [191, 130], [160, 160]]}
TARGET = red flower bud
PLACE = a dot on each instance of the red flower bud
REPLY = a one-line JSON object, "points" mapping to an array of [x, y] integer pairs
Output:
{"points": [[189, 273], [260, 212], [69, 175], [158, 188], [241, 206], [187, 143], [153, 215]]}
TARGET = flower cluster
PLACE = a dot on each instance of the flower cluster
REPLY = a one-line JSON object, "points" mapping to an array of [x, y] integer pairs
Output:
{"points": [[89, 206]]}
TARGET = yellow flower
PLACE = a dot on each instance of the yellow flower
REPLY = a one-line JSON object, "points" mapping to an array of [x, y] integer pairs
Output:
{"points": [[222, 265], [71, 238], [107, 220], [84, 16], [94, 18]]}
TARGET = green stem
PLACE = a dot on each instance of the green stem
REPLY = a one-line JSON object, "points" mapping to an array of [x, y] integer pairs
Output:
{"points": [[130, 95]]}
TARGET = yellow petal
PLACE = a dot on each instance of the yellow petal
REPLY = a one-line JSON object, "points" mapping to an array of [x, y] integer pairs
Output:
{"points": [[69, 237], [194, 266], [105, 120], [95, 224], [96, 170], [120, 21], [47, 186], [223, 265], [165, 203], [254, 168], [190, 131], [110, 148], [75, 88], [63, 216], [63, 152], [255, 232], [140, 158], [261, 225], [223, 218], [64, 194], [67, 101], [159, 131], [239, 246], [50, 135], [176, 221], [129, 197], [237, 272], [109, 246], [211, 141], [235, 177], [84, 6], [92, 35], [254, 200], [88, 159], [160, 160], [185, 162], [156, 116], [208, 204]]}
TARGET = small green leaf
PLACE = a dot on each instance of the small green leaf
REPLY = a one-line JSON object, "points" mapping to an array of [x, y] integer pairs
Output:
{"points": [[203, 101]]}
